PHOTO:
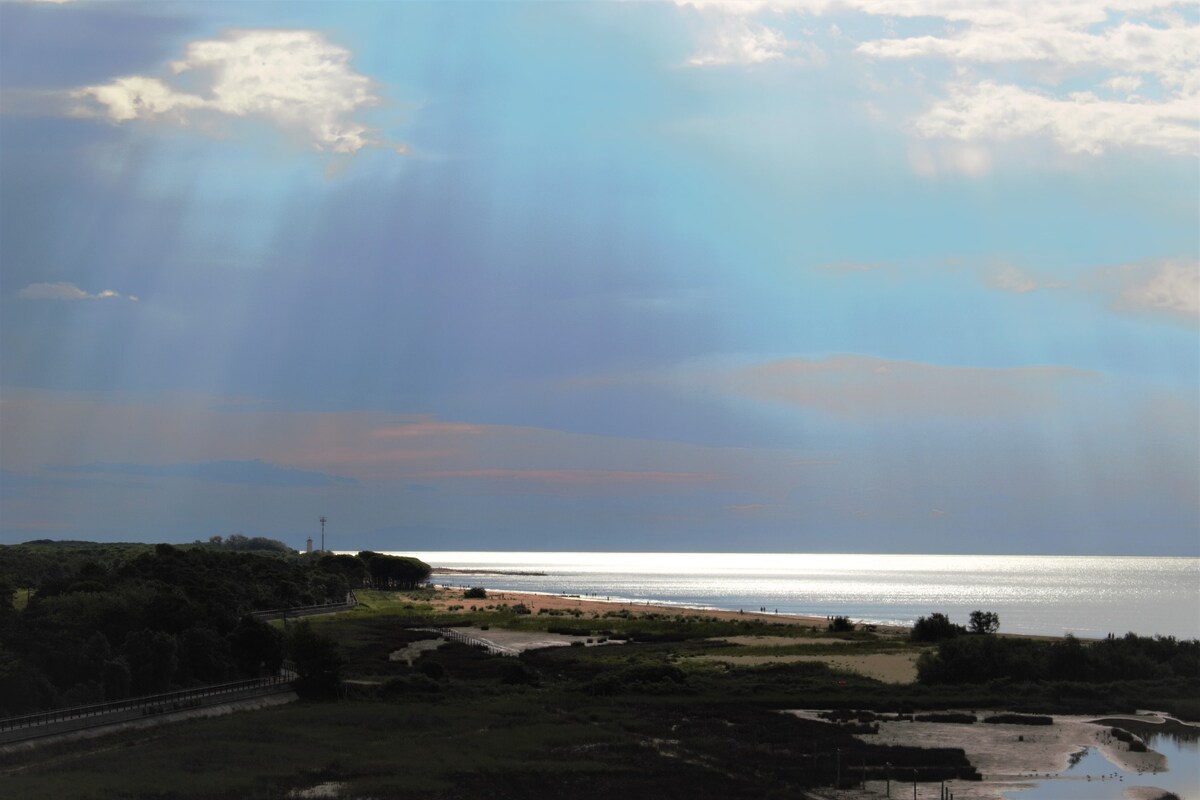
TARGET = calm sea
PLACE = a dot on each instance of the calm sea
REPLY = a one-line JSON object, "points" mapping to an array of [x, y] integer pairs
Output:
{"points": [[1084, 595]]}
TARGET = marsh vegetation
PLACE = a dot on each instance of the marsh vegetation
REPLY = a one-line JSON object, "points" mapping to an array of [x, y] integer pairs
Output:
{"points": [[649, 713]]}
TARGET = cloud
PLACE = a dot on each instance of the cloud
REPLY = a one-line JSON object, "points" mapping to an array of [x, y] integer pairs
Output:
{"points": [[577, 477], [854, 386], [949, 158], [294, 79], [254, 473], [1123, 84], [740, 42], [67, 291], [1007, 278], [1168, 288], [427, 427], [1117, 47], [1168, 53], [1079, 123]]}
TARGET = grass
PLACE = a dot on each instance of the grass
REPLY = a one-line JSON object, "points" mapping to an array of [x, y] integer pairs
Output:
{"points": [[21, 598], [635, 720]]}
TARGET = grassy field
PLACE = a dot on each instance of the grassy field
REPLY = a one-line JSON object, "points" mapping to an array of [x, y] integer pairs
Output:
{"points": [[639, 719]]}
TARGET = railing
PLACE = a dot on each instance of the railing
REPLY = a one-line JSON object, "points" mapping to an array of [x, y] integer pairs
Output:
{"points": [[458, 636], [303, 611], [149, 704]]}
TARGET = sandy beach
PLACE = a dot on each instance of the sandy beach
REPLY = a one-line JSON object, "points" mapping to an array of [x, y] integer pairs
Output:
{"points": [[448, 596], [886, 667]]}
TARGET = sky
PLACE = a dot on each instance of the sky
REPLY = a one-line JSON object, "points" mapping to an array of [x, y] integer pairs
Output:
{"points": [[891, 276]]}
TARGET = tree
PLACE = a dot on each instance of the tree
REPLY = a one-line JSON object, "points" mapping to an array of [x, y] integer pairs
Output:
{"points": [[255, 647], [6, 596], [395, 572], [318, 663], [984, 622], [153, 659], [935, 628]]}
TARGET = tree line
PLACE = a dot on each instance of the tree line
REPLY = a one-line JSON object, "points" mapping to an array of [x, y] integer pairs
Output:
{"points": [[105, 622], [980, 659]]}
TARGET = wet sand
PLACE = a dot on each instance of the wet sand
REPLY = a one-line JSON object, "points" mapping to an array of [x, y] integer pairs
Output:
{"points": [[1012, 757]]}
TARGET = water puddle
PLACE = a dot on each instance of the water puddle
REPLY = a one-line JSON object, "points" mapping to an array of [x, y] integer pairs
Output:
{"points": [[1094, 777]]}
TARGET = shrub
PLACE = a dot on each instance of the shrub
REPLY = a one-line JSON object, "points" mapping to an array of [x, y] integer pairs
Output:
{"points": [[935, 628], [841, 625], [475, 593], [433, 670], [962, 719]]}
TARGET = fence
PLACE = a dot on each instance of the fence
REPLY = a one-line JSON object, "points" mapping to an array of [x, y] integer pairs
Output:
{"points": [[148, 705], [458, 636], [305, 611]]}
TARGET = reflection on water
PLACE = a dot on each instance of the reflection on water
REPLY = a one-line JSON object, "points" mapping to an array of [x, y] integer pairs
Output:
{"points": [[1094, 777], [1088, 596]]}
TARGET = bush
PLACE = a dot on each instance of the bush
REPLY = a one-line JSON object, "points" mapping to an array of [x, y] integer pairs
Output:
{"points": [[962, 719], [414, 684], [841, 625], [433, 670], [475, 593], [935, 628]]}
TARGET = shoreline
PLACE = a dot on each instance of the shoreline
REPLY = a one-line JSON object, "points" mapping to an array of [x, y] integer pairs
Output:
{"points": [[451, 595]]}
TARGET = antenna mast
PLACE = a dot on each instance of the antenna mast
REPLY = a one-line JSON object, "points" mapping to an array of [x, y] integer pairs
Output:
{"points": [[322, 534]]}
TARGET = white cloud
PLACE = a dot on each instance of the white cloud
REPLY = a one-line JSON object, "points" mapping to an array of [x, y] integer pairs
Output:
{"points": [[137, 97], [1168, 287], [1008, 278], [1123, 84], [293, 78], [949, 158], [1170, 54], [1079, 123], [740, 42], [1117, 47], [67, 291]]}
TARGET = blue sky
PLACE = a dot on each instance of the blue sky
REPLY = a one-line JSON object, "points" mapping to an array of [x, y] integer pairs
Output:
{"points": [[790, 276]]}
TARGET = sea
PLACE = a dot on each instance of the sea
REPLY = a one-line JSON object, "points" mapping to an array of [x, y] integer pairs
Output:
{"points": [[1086, 596]]}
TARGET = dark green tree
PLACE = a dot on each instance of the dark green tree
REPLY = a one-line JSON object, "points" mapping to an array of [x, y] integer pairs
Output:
{"points": [[317, 661], [153, 658], [984, 622], [256, 647], [935, 628]]}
